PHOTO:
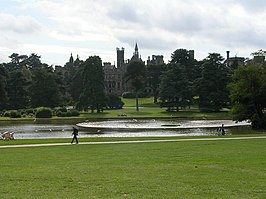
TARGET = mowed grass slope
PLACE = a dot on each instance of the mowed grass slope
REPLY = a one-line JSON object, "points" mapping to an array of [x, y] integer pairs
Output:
{"points": [[147, 109], [191, 169]]}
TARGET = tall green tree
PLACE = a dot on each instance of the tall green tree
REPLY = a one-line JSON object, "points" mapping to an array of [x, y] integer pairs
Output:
{"points": [[213, 92], [18, 88], [190, 68], [34, 61], [174, 87], [44, 89], [154, 73], [3, 82], [136, 76], [18, 82], [185, 58], [92, 95], [248, 94]]}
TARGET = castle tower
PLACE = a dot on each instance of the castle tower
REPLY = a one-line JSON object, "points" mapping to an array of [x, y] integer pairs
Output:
{"points": [[136, 53], [71, 59], [227, 57], [120, 57]]}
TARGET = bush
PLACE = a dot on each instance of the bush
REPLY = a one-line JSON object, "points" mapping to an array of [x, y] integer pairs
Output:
{"points": [[58, 111], [12, 114], [15, 114], [7, 114], [128, 95], [73, 112], [114, 102], [29, 111], [69, 113], [43, 112]]}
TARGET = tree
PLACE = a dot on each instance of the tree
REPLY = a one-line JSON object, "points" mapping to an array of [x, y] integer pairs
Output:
{"points": [[44, 88], [191, 69], [213, 93], [3, 94], [248, 95], [34, 61], [174, 87], [135, 74], [18, 88], [186, 59], [154, 73], [18, 82], [92, 95]]}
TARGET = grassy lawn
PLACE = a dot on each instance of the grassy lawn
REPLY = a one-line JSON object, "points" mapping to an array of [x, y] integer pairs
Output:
{"points": [[147, 110], [194, 169]]}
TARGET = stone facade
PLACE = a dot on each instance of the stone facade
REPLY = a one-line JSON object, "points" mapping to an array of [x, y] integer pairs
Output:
{"points": [[231, 61], [114, 75]]}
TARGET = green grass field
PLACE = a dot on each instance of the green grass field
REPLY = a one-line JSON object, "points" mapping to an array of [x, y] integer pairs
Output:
{"points": [[191, 169], [147, 110]]}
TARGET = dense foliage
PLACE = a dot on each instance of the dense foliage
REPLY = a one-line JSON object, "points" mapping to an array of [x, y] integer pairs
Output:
{"points": [[135, 74], [248, 94], [26, 83], [212, 87], [92, 89], [44, 112]]}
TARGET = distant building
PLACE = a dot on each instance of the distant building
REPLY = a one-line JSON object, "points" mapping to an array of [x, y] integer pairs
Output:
{"points": [[114, 75], [234, 61], [156, 60], [113, 78]]}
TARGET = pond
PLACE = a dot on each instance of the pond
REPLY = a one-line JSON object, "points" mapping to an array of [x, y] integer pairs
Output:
{"points": [[122, 128]]}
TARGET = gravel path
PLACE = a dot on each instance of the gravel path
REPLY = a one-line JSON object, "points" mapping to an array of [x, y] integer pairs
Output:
{"points": [[131, 142]]}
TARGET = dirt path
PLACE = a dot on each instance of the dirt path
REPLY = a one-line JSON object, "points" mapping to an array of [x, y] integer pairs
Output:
{"points": [[131, 142]]}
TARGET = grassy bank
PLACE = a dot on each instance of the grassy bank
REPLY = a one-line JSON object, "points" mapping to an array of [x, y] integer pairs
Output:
{"points": [[147, 110], [194, 169]]}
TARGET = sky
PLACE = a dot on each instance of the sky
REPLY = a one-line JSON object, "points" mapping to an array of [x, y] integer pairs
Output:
{"points": [[56, 28]]}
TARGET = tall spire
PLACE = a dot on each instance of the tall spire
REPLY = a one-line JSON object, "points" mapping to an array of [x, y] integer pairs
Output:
{"points": [[136, 47], [136, 53], [71, 60]]}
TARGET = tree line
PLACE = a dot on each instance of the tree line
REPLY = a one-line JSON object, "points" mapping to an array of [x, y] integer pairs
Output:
{"points": [[26, 82], [211, 83]]}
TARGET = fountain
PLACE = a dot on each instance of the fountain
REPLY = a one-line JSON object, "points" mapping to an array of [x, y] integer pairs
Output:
{"points": [[159, 127], [151, 124], [125, 128]]}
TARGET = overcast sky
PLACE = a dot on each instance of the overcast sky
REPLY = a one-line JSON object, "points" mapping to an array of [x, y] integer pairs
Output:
{"points": [[56, 28]]}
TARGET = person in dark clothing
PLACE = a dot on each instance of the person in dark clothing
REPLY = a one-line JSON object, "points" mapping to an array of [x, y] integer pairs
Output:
{"points": [[75, 134], [222, 130]]}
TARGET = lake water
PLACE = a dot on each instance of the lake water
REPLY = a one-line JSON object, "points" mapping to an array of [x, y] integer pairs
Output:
{"points": [[122, 128]]}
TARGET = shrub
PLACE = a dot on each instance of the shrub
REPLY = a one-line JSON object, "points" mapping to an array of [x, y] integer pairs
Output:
{"points": [[43, 112], [15, 114], [69, 113], [128, 95], [114, 102], [29, 111], [73, 112], [57, 111], [6, 114]]}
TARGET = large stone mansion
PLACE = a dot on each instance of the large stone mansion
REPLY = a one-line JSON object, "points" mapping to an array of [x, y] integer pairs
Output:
{"points": [[114, 75]]}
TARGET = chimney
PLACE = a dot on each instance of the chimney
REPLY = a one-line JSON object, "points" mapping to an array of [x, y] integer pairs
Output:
{"points": [[227, 57]]}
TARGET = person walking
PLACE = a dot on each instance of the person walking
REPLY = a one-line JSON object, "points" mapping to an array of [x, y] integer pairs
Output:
{"points": [[75, 134], [222, 130]]}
